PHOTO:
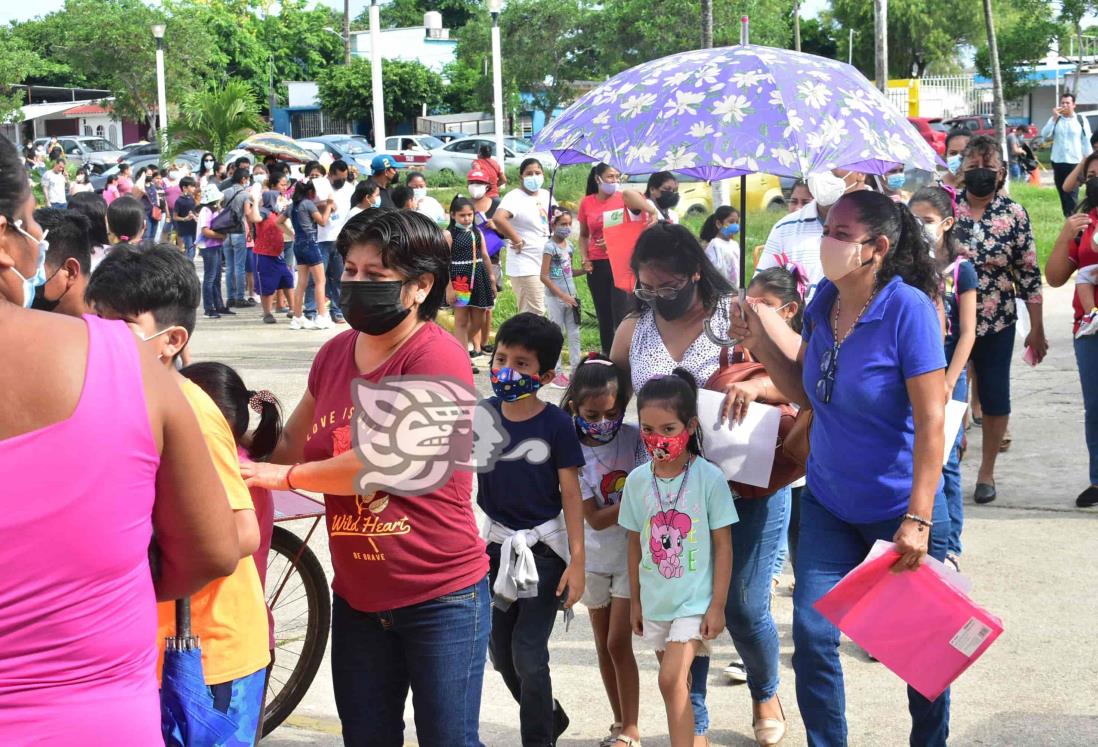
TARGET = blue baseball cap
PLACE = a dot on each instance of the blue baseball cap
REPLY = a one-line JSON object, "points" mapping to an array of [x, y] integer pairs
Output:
{"points": [[382, 162]]}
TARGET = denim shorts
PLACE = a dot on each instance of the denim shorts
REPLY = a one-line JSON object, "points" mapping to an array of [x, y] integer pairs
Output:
{"points": [[991, 358], [308, 254]]}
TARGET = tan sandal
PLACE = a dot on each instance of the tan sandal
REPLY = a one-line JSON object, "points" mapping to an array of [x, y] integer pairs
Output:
{"points": [[611, 739], [769, 731], [627, 741]]}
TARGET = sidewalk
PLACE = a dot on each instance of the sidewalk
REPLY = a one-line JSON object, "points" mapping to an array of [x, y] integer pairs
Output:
{"points": [[1029, 553]]}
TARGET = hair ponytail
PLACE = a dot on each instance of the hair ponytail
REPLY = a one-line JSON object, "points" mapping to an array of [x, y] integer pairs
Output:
{"points": [[266, 435], [225, 387], [909, 252]]}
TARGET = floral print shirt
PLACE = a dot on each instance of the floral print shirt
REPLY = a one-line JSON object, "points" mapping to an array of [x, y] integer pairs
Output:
{"points": [[1004, 253]]}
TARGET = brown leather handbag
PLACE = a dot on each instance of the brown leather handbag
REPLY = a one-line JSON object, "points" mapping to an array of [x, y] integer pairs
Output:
{"points": [[742, 367]]}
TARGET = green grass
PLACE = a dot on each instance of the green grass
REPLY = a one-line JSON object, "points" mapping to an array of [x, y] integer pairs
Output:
{"points": [[569, 190], [1043, 206]]}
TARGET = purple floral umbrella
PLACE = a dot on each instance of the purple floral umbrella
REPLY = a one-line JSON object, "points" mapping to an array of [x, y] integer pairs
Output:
{"points": [[731, 111]]}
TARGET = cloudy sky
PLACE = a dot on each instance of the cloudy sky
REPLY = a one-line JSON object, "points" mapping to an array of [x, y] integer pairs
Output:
{"points": [[13, 11]]}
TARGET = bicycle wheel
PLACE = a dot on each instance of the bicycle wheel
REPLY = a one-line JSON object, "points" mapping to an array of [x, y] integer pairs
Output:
{"points": [[298, 596]]}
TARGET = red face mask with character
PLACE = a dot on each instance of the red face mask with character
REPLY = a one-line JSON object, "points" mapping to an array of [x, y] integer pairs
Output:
{"points": [[666, 448]]}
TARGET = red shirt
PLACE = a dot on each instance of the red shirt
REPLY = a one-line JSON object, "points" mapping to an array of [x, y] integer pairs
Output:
{"points": [[492, 171], [592, 213], [1083, 253], [268, 237], [390, 551]]}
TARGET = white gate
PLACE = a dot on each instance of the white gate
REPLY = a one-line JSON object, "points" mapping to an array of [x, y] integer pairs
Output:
{"points": [[943, 96]]}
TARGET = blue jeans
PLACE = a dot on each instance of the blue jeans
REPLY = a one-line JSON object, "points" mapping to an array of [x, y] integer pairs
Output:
{"points": [[212, 301], [436, 648], [955, 503], [236, 256], [1086, 357], [828, 549], [150, 227], [333, 271], [188, 246], [519, 646], [783, 545], [288, 254], [59, 205]]}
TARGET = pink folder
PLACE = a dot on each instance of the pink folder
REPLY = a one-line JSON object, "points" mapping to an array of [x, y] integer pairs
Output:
{"points": [[921, 626]]}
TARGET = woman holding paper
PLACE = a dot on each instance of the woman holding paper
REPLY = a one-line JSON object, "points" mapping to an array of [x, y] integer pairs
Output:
{"points": [[870, 364], [678, 288]]}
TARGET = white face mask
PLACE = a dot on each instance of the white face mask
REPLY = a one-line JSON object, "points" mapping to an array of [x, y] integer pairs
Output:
{"points": [[419, 192], [933, 233], [826, 188], [476, 191]]}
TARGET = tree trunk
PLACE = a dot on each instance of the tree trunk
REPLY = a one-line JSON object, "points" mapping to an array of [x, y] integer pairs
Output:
{"points": [[797, 25], [880, 32], [347, 32], [707, 24], [1079, 59], [996, 85]]}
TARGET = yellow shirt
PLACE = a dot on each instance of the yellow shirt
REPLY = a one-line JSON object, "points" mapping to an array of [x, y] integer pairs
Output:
{"points": [[228, 615]]}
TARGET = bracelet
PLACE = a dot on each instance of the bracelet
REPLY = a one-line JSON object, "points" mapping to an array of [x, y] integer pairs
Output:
{"points": [[919, 520], [289, 473]]}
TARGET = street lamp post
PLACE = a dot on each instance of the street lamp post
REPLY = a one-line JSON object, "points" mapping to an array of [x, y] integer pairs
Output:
{"points": [[161, 95], [494, 7], [375, 76]]}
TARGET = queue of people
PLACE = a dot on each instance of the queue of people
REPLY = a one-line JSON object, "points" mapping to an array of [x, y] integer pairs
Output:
{"points": [[864, 310]]}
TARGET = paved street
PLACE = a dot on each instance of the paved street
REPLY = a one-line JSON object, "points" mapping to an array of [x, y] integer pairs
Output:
{"points": [[1030, 555]]}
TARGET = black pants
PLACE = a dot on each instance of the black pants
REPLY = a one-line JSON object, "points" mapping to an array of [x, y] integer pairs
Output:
{"points": [[611, 304], [1060, 172]]}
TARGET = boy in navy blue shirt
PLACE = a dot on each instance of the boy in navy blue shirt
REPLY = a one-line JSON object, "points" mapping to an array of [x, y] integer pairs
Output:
{"points": [[531, 496]]}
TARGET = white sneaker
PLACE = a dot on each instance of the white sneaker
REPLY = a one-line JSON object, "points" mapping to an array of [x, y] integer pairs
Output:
{"points": [[298, 322], [736, 672], [1088, 325], [308, 323], [323, 322]]}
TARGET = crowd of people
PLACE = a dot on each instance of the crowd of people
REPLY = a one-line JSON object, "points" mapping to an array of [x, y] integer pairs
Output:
{"points": [[867, 310]]}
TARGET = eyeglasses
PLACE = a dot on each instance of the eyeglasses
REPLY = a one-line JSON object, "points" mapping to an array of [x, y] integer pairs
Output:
{"points": [[825, 385], [648, 295]]}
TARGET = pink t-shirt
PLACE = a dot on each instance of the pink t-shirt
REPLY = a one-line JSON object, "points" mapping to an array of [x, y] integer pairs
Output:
{"points": [[77, 606], [592, 213], [110, 194]]}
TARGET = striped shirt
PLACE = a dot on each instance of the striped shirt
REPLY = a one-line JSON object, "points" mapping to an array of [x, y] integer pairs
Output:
{"points": [[796, 238]]}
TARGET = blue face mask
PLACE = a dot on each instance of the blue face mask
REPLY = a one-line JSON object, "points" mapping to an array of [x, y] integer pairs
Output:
{"points": [[39, 276], [602, 431], [510, 385], [953, 163], [895, 182], [730, 230], [377, 201], [533, 183]]}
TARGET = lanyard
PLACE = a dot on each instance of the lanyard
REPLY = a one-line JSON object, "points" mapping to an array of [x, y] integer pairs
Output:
{"points": [[682, 486]]}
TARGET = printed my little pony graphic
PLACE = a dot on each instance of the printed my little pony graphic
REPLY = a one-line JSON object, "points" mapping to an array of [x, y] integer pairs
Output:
{"points": [[667, 534], [612, 485]]}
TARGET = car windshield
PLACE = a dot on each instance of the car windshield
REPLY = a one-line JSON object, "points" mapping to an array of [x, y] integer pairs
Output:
{"points": [[430, 143], [353, 147], [519, 145], [97, 145], [938, 126]]}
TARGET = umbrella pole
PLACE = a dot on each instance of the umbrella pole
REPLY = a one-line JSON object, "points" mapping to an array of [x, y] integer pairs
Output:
{"points": [[552, 186], [743, 236], [183, 617]]}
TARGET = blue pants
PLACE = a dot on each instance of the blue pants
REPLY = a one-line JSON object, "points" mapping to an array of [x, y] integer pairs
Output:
{"points": [[188, 246], [212, 300], [333, 272], [59, 205], [236, 260], [991, 358], [955, 503], [242, 701], [150, 227], [519, 646], [436, 648], [828, 549], [1086, 356]]}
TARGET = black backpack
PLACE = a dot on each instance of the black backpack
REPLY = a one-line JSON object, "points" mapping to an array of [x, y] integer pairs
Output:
{"points": [[231, 217]]}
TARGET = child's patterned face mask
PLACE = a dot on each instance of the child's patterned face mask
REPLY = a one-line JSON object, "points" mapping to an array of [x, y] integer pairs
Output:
{"points": [[602, 431], [510, 385]]}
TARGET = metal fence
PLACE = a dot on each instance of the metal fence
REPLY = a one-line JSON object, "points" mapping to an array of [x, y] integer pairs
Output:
{"points": [[315, 123], [942, 96]]}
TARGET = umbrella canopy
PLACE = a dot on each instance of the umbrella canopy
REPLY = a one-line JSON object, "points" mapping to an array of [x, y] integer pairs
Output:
{"points": [[187, 714], [277, 145], [730, 111]]}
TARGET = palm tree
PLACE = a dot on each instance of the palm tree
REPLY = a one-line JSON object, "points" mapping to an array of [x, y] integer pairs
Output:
{"points": [[216, 119]]}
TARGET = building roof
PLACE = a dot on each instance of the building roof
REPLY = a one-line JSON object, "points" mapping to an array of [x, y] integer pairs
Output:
{"points": [[37, 111], [86, 110]]}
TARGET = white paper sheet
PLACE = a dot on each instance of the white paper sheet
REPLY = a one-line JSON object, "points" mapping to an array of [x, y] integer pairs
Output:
{"points": [[744, 451], [954, 416]]}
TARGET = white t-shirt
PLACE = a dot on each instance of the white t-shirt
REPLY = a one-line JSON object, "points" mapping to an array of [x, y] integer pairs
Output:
{"points": [[725, 256], [340, 213], [53, 184], [433, 209], [602, 479], [797, 236], [530, 218]]}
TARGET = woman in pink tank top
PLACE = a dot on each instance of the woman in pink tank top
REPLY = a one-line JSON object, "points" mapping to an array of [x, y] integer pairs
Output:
{"points": [[94, 442]]}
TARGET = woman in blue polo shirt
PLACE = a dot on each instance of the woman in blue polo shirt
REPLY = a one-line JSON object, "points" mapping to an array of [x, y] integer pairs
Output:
{"points": [[870, 364]]}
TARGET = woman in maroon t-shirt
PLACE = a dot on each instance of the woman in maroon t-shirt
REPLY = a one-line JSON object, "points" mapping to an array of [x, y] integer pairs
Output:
{"points": [[411, 604]]}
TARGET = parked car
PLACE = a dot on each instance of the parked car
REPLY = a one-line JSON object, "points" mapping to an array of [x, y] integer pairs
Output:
{"points": [[414, 151], [449, 137], [96, 153], [976, 124], [192, 158], [135, 150], [933, 132], [764, 192], [356, 151], [457, 157]]}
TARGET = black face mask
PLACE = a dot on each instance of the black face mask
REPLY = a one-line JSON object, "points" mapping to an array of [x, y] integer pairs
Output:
{"points": [[337, 184], [679, 305], [41, 303], [667, 200], [1092, 193], [981, 182], [373, 307]]}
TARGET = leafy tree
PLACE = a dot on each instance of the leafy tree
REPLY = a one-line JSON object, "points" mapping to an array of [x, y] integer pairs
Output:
{"points": [[467, 88], [216, 119], [345, 90], [819, 38], [1024, 30], [1072, 13], [409, 13], [18, 63], [923, 35]]}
